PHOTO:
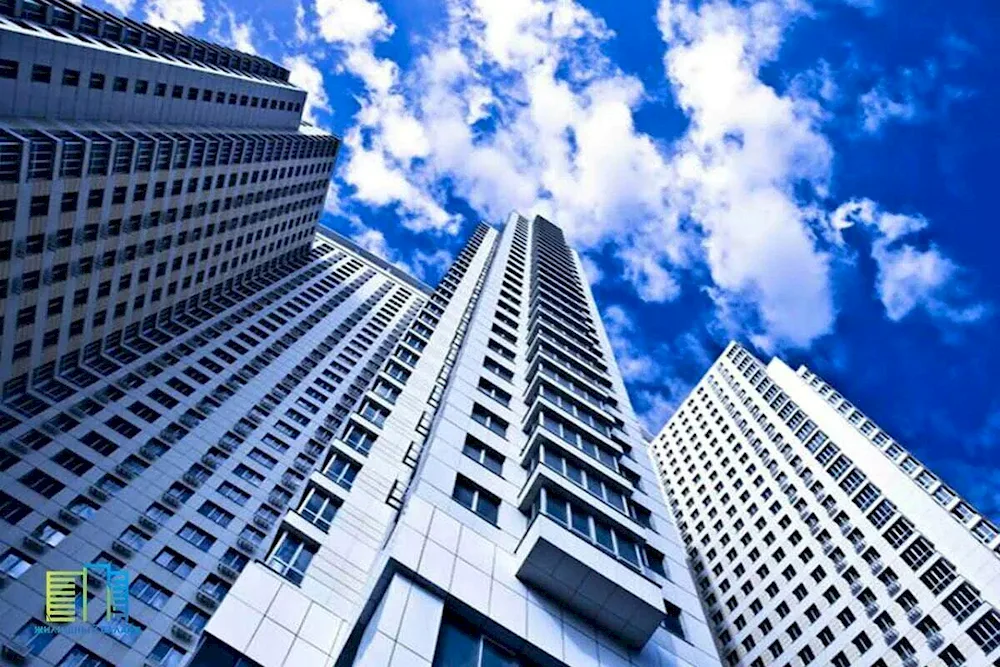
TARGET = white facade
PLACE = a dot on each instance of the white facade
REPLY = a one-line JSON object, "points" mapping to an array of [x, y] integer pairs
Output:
{"points": [[817, 539], [447, 541]]}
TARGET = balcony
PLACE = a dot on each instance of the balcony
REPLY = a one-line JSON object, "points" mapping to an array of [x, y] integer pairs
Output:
{"points": [[914, 614], [207, 600], [182, 633], [149, 523], [589, 581], [69, 517], [227, 571]]}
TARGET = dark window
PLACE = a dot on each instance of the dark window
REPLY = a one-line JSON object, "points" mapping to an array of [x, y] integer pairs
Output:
{"points": [[480, 453], [73, 462], [41, 73], [99, 443], [12, 510], [71, 77], [38, 481], [123, 426], [476, 499], [8, 69], [96, 81], [120, 84]]}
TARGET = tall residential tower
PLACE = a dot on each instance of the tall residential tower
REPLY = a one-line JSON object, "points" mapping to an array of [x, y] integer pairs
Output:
{"points": [[504, 511], [814, 537], [241, 442]]}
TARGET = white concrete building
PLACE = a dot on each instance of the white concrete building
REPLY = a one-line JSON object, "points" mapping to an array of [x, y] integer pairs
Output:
{"points": [[814, 537], [505, 511]]}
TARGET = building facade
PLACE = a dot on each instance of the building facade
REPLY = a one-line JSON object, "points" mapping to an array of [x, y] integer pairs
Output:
{"points": [[504, 512], [814, 537], [235, 440]]}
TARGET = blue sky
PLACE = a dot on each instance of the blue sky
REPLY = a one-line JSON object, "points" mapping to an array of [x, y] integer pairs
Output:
{"points": [[814, 178]]}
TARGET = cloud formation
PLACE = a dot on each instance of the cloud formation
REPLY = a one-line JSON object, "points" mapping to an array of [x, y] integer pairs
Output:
{"points": [[911, 276]]}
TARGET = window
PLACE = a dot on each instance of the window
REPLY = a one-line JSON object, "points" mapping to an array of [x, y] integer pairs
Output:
{"points": [[196, 536], [8, 69], [174, 562], [12, 510], [96, 81], [43, 484], [672, 621], [494, 392], [123, 426], [81, 657], [498, 370], [248, 475], [41, 73], [341, 470], [489, 420], [73, 462], [387, 390], [50, 533], [154, 595], [215, 513], [166, 654], [192, 618], [318, 508], [461, 644], [14, 564], [483, 455], [82, 508], [476, 499], [359, 438], [374, 412], [34, 636], [291, 557], [99, 443], [262, 458]]}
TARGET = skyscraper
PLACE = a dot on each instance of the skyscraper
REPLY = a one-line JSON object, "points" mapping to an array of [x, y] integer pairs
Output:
{"points": [[140, 171], [503, 512], [228, 438], [814, 537]]}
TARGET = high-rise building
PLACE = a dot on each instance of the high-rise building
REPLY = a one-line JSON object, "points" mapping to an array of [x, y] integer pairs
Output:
{"points": [[227, 439], [140, 172], [503, 509], [814, 537]]}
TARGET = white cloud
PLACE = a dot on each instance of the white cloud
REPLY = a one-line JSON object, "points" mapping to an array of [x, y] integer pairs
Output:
{"points": [[122, 6], [515, 105], [302, 33], [305, 75], [591, 270], [429, 266], [635, 365], [910, 277], [374, 242], [230, 31], [878, 107], [176, 15], [351, 21]]}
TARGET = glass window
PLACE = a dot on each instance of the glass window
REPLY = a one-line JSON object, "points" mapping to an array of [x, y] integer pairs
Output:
{"points": [[479, 501], [30, 636], [319, 509], [291, 557]]}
